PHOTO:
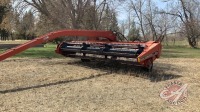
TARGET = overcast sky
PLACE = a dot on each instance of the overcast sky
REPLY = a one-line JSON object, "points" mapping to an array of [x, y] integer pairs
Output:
{"points": [[122, 13]]}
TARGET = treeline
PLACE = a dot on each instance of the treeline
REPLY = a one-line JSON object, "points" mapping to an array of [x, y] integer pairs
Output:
{"points": [[50, 15], [145, 19], [163, 20]]}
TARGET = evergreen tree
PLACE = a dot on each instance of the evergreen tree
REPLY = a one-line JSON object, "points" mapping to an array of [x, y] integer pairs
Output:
{"points": [[90, 18], [5, 26], [114, 24], [109, 20], [4, 8], [134, 32]]}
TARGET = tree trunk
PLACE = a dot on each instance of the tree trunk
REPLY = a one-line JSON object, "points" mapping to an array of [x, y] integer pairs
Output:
{"points": [[192, 41]]}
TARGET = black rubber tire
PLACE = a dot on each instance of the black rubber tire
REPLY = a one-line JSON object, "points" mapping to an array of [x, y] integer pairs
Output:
{"points": [[85, 60], [149, 66]]}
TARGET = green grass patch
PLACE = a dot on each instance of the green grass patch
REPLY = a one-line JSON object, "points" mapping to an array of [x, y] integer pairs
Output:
{"points": [[179, 51], [176, 43], [39, 52]]}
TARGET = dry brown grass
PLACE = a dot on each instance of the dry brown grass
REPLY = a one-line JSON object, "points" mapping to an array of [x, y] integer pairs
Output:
{"points": [[13, 42], [67, 85]]}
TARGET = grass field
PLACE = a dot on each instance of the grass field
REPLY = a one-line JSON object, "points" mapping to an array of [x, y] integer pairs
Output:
{"points": [[40, 80], [13, 42], [180, 52], [68, 85], [40, 52]]}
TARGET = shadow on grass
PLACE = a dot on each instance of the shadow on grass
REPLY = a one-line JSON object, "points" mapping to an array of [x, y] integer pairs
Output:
{"points": [[114, 67], [51, 84], [158, 73]]}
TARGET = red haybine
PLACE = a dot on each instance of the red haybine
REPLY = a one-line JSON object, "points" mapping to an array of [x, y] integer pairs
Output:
{"points": [[101, 45]]}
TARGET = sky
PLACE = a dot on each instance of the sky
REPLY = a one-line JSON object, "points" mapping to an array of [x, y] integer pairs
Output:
{"points": [[122, 13]]}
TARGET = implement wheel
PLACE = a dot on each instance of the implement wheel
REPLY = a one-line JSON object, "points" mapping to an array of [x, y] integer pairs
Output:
{"points": [[149, 65]]}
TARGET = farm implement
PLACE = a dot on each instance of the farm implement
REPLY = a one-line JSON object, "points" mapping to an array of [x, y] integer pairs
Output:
{"points": [[98, 45]]}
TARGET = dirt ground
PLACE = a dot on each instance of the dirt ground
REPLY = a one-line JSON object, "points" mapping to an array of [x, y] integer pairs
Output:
{"points": [[68, 85]]}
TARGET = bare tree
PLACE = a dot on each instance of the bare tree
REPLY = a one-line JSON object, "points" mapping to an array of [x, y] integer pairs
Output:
{"points": [[188, 12], [60, 12], [70, 13], [146, 17], [138, 9], [122, 27]]}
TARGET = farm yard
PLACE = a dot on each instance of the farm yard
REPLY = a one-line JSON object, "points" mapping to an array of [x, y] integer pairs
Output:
{"points": [[148, 54], [48, 82]]}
